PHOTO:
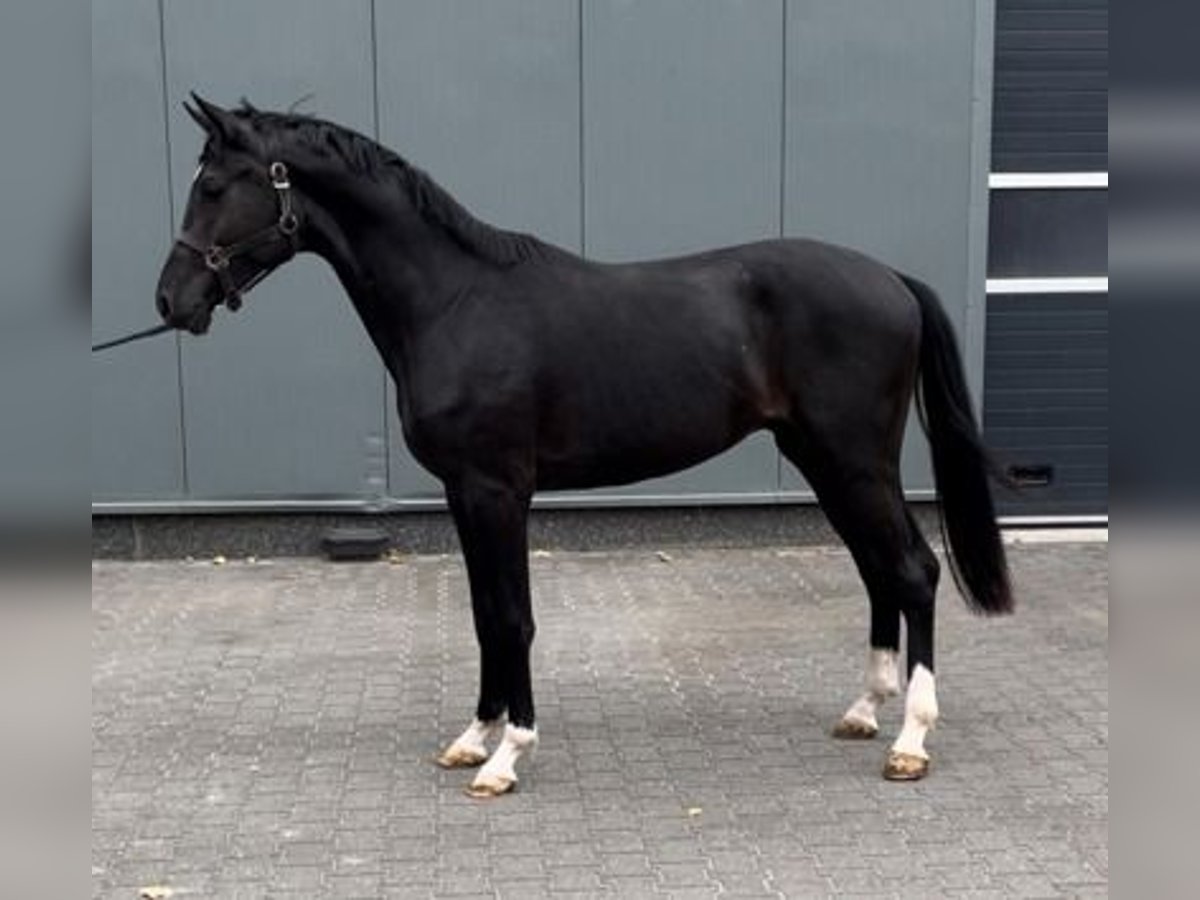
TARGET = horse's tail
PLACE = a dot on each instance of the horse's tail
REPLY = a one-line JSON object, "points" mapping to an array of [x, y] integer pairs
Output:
{"points": [[961, 463]]}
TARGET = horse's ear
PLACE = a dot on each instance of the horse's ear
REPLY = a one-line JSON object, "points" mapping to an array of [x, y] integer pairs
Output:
{"points": [[198, 117], [218, 122]]}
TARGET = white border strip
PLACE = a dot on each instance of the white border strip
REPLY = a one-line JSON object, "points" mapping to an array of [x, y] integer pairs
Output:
{"points": [[1099, 520], [1097, 285], [564, 500], [1019, 523], [1056, 536], [1046, 180]]}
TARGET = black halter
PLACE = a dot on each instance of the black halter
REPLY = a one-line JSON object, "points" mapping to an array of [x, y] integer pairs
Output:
{"points": [[217, 257]]}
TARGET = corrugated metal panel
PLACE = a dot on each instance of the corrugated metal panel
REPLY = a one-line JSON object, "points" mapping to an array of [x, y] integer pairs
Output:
{"points": [[484, 95], [286, 398], [681, 125], [1046, 399], [879, 145], [137, 449], [682, 153], [1050, 110]]}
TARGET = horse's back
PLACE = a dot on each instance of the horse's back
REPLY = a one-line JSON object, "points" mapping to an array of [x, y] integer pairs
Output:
{"points": [[793, 282], [817, 311], [827, 279]]}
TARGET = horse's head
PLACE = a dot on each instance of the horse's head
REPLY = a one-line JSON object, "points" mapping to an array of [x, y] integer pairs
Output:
{"points": [[239, 224]]}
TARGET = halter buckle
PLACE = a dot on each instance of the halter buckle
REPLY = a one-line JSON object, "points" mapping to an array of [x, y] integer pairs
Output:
{"points": [[215, 258], [279, 176]]}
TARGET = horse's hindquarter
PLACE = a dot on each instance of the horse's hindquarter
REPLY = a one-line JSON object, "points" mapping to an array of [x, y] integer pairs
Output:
{"points": [[844, 338], [647, 369]]}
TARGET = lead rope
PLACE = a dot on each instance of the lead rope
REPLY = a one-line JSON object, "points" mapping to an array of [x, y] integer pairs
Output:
{"points": [[136, 336]]}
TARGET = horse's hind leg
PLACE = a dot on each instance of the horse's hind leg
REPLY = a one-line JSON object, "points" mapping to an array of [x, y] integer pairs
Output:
{"points": [[865, 504], [900, 572], [882, 680], [908, 759]]}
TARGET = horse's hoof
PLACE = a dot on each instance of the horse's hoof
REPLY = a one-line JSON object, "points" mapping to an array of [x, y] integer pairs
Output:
{"points": [[905, 767], [490, 787], [854, 730], [456, 757]]}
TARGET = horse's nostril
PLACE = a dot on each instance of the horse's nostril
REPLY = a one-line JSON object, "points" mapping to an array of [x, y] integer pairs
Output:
{"points": [[164, 308]]}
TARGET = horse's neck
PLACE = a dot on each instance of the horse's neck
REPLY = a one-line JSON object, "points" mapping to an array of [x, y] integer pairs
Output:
{"points": [[398, 270]]}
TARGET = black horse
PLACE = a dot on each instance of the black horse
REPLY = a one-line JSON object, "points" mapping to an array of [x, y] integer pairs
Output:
{"points": [[522, 367]]}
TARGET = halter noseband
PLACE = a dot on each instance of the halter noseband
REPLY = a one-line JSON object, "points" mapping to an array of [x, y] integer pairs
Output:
{"points": [[217, 257]]}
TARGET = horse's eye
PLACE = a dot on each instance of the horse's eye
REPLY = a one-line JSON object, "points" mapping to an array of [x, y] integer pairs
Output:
{"points": [[210, 188]]}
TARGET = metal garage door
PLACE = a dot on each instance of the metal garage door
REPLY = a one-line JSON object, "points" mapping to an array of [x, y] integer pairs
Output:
{"points": [[1046, 356], [1046, 400]]}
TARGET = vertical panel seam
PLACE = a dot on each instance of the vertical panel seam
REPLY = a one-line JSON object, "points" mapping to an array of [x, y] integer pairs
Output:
{"points": [[978, 198], [582, 175], [385, 422], [374, 73], [783, 115], [783, 59], [166, 111]]}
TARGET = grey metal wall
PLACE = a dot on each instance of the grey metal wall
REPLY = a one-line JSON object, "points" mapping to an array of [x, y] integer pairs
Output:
{"points": [[642, 128]]}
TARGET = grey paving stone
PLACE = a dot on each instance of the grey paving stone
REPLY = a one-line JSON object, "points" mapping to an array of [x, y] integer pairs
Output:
{"points": [[267, 730]]}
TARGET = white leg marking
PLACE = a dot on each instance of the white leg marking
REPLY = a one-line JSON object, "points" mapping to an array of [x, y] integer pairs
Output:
{"points": [[470, 747], [499, 774], [920, 714], [478, 733], [883, 681]]}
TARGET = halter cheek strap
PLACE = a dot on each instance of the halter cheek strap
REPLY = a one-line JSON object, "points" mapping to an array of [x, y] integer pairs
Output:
{"points": [[217, 257]]}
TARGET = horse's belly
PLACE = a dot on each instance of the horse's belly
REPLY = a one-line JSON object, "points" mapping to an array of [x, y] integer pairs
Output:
{"points": [[625, 449], [660, 383], [594, 472]]}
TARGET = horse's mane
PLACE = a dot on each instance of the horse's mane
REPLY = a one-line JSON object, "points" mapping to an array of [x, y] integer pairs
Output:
{"points": [[364, 156]]}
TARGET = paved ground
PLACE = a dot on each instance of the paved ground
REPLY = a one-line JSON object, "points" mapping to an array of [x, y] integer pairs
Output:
{"points": [[265, 729]]}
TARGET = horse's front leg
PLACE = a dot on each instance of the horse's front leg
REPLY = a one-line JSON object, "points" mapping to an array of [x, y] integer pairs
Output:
{"points": [[492, 518], [470, 749]]}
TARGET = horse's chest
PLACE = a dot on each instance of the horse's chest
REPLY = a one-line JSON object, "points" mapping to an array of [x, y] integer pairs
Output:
{"points": [[448, 421]]}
